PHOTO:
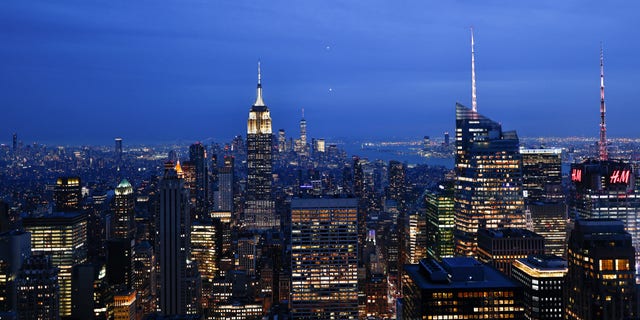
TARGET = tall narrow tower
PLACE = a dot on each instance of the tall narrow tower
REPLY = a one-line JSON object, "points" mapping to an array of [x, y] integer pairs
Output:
{"points": [[259, 209], [174, 240], [474, 101], [603, 126]]}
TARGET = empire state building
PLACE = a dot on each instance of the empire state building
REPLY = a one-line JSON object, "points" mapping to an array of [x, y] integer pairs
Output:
{"points": [[259, 210]]}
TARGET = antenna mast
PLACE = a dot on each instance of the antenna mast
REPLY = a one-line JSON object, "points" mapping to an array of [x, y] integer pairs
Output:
{"points": [[474, 101], [603, 109]]}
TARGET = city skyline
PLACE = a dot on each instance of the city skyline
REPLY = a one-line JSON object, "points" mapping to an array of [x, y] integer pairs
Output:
{"points": [[186, 71]]}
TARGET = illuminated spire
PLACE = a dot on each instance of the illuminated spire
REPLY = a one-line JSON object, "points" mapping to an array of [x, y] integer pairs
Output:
{"points": [[178, 169], [603, 110], [259, 102], [474, 101], [302, 113]]}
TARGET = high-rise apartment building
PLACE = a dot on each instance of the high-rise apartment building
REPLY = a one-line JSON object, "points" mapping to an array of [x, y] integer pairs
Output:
{"points": [[324, 258], [63, 236], [600, 281], [259, 207], [488, 182]]}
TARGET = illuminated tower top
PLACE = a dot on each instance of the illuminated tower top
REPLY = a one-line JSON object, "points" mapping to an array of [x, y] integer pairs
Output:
{"points": [[259, 102], [259, 116], [603, 126]]}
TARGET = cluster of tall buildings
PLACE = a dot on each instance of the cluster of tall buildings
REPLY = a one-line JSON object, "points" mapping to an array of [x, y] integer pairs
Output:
{"points": [[293, 229]]}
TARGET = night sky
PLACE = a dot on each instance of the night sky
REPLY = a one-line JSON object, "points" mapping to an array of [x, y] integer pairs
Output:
{"points": [[84, 72]]}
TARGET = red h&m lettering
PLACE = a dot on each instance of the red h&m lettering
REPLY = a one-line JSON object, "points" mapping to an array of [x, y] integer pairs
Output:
{"points": [[620, 176], [576, 175]]}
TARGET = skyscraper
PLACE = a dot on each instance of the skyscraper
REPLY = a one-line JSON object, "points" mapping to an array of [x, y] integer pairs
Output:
{"points": [[224, 195], [324, 258], [600, 281], [198, 158], [14, 146], [38, 289], [63, 235], [124, 223], [543, 279], [606, 189], [302, 148], [173, 241], [118, 149], [260, 209], [542, 174], [544, 197], [488, 182], [15, 248], [67, 194], [440, 221]]}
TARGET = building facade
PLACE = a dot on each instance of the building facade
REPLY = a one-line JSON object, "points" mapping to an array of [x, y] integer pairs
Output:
{"points": [[600, 281], [606, 189], [324, 258], [259, 206], [440, 221], [543, 279], [63, 236], [458, 288], [488, 181]]}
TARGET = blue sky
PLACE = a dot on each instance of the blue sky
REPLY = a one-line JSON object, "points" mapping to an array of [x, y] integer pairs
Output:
{"points": [[78, 72]]}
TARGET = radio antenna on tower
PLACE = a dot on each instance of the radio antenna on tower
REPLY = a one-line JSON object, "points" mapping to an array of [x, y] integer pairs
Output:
{"points": [[474, 100], [603, 126]]}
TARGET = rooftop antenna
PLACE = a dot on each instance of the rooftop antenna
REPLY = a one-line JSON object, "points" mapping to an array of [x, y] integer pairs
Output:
{"points": [[603, 126], [474, 99], [259, 102]]}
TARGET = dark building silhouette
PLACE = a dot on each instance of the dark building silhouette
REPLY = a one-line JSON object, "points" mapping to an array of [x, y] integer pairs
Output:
{"points": [[198, 158], [118, 149], [601, 277], [38, 290], [120, 266], [174, 236], [15, 248]]}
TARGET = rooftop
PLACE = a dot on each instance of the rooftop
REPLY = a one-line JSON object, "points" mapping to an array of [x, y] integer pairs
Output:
{"points": [[461, 272]]}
